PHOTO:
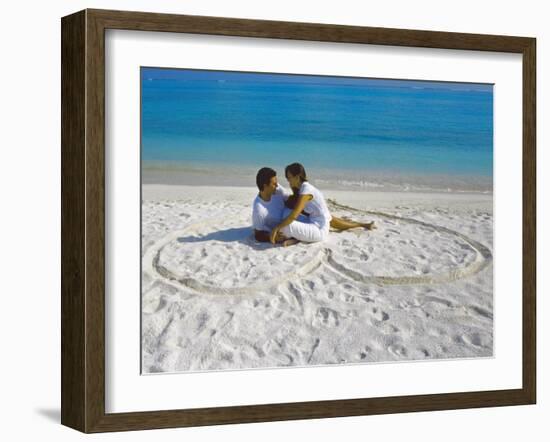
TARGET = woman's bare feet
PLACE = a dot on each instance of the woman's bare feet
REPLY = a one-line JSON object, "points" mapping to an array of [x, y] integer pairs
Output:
{"points": [[370, 226]]}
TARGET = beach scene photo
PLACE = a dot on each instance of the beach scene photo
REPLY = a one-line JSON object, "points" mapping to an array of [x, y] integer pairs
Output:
{"points": [[305, 220]]}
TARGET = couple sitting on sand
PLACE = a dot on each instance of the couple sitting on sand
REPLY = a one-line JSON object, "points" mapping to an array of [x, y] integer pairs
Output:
{"points": [[281, 217]]}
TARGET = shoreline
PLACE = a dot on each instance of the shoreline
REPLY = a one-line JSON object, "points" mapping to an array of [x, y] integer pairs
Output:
{"points": [[385, 180]]}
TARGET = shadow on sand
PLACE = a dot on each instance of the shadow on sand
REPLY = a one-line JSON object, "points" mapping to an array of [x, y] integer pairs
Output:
{"points": [[242, 235]]}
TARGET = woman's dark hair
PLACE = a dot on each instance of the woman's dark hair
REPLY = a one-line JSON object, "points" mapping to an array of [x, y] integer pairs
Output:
{"points": [[264, 176], [296, 169]]}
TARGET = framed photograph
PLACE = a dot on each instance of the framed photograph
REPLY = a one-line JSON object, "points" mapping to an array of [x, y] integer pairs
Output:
{"points": [[268, 220]]}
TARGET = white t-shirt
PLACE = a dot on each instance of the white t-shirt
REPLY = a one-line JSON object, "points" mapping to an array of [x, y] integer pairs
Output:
{"points": [[317, 207], [266, 215]]}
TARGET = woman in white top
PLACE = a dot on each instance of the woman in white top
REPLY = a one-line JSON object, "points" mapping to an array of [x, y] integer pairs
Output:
{"points": [[311, 201]]}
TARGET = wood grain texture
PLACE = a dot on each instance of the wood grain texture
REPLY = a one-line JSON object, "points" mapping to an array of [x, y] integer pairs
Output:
{"points": [[73, 258], [83, 220], [308, 410], [95, 221], [529, 220], [306, 31]]}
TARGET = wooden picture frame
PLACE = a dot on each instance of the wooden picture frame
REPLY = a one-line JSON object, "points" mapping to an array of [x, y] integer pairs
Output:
{"points": [[83, 220]]}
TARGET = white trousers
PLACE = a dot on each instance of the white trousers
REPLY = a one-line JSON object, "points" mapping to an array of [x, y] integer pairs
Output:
{"points": [[303, 229]]}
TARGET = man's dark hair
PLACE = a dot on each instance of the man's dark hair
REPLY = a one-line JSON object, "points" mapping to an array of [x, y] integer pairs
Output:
{"points": [[264, 176], [296, 169]]}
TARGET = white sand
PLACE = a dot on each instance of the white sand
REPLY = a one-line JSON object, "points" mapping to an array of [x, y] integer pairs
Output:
{"points": [[418, 287]]}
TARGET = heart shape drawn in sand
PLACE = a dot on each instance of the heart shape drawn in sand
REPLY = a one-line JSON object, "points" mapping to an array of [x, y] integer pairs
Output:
{"points": [[215, 257]]}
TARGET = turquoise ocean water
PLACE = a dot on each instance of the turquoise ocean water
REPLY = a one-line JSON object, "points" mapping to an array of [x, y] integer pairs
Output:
{"points": [[219, 128]]}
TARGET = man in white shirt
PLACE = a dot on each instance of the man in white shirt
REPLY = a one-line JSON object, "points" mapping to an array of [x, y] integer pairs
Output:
{"points": [[268, 208]]}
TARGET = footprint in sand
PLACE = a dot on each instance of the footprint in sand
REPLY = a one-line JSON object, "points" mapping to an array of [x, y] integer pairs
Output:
{"points": [[365, 353], [380, 315], [326, 317], [486, 314], [473, 339], [397, 350]]}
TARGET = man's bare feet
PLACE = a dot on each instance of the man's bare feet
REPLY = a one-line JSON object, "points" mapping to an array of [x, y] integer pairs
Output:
{"points": [[289, 242]]}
